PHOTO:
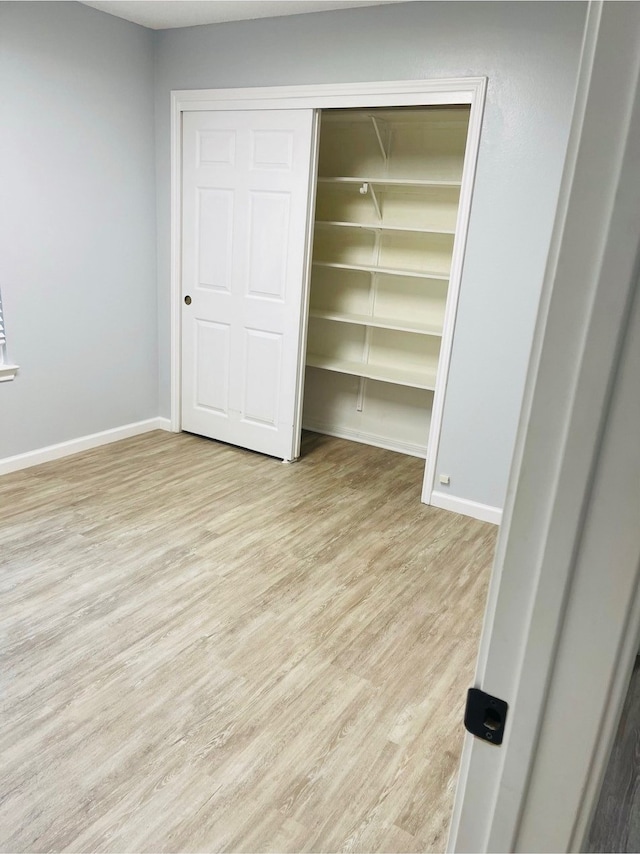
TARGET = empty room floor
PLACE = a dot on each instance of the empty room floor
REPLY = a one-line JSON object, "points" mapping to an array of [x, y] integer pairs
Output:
{"points": [[207, 650]]}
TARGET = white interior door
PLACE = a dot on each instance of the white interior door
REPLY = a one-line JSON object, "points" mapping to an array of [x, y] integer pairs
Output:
{"points": [[561, 629], [247, 180]]}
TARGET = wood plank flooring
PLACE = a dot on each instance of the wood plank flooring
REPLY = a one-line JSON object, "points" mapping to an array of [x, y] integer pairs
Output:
{"points": [[207, 650], [616, 822]]}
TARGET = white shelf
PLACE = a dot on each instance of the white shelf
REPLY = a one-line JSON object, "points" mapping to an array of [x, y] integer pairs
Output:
{"points": [[390, 182], [389, 271], [425, 379], [7, 372], [386, 211], [379, 322], [434, 116], [373, 227]]}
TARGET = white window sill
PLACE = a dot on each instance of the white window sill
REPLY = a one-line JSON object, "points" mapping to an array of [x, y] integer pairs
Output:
{"points": [[7, 372]]}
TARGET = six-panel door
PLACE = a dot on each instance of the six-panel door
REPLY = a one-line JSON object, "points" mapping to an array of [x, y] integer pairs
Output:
{"points": [[246, 184]]}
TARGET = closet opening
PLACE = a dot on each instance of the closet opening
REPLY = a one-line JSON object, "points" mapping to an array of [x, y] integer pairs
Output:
{"points": [[386, 214], [317, 246]]}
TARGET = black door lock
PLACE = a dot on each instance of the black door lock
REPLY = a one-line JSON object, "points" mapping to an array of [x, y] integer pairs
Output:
{"points": [[485, 716]]}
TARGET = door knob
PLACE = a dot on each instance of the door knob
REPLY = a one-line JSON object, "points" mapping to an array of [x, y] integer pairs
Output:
{"points": [[187, 300]]}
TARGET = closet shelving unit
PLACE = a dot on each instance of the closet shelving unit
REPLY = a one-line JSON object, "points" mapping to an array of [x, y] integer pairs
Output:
{"points": [[386, 208]]}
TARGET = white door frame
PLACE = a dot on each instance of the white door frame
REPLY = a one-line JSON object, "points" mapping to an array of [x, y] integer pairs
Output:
{"points": [[468, 90], [563, 615]]}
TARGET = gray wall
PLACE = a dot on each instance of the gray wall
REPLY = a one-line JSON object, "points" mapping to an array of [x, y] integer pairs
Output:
{"points": [[530, 53], [77, 223], [77, 208]]}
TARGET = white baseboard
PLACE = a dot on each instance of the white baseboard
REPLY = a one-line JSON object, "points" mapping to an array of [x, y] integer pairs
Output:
{"points": [[483, 512], [84, 443], [367, 439]]}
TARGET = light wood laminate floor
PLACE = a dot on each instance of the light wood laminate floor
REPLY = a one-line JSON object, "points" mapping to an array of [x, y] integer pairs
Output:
{"points": [[207, 650]]}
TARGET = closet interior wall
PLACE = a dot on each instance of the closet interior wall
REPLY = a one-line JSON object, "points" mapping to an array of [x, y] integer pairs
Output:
{"points": [[385, 221]]}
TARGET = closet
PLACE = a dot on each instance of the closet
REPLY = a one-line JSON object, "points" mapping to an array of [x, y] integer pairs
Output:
{"points": [[320, 260], [388, 190]]}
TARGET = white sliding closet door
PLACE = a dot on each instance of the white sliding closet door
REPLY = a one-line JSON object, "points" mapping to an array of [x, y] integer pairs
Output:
{"points": [[247, 178]]}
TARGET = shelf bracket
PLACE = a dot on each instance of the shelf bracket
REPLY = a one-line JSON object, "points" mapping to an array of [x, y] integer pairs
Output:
{"points": [[360, 400], [383, 150], [368, 332], [367, 188], [365, 358]]}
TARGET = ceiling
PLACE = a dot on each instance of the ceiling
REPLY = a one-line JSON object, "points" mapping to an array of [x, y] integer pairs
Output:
{"points": [[167, 14]]}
